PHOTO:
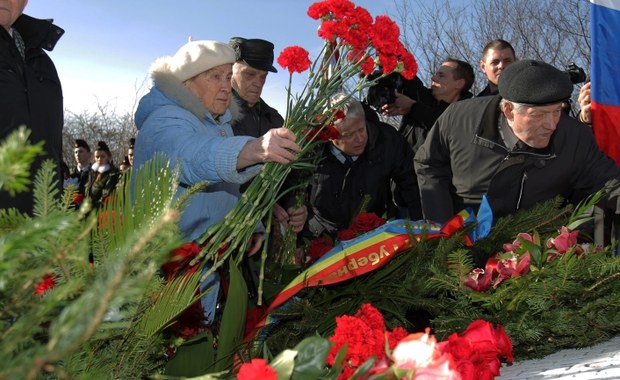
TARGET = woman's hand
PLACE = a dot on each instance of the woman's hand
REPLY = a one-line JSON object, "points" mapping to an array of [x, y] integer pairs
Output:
{"points": [[277, 145]]}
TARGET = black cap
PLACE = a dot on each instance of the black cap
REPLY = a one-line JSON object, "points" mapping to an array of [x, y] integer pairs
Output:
{"points": [[534, 82], [79, 143], [255, 52]]}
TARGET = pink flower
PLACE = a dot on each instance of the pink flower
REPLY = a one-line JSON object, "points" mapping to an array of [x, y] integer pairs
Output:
{"points": [[419, 353], [258, 369], [478, 280], [513, 267], [517, 243], [564, 240], [415, 351]]}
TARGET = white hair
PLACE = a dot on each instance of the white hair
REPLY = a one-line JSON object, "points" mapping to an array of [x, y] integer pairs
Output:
{"points": [[351, 107]]}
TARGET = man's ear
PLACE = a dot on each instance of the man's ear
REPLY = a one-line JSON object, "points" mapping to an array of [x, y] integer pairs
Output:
{"points": [[482, 65], [460, 84], [508, 111]]}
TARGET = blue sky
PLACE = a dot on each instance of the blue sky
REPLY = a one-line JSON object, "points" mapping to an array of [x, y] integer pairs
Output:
{"points": [[109, 45]]}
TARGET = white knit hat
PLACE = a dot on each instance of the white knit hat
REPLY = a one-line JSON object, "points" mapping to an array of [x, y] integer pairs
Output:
{"points": [[196, 57]]}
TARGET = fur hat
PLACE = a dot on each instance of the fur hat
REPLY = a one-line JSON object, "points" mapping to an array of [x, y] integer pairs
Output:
{"points": [[534, 82], [196, 57]]}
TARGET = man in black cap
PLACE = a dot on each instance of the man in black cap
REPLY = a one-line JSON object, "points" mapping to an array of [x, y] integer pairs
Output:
{"points": [[517, 147], [254, 61]]}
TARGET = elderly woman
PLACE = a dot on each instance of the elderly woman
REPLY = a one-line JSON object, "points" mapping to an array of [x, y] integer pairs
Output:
{"points": [[186, 116]]}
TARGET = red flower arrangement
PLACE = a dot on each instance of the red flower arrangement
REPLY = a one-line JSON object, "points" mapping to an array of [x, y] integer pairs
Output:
{"points": [[477, 353], [525, 251], [352, 25], [365, 336]]}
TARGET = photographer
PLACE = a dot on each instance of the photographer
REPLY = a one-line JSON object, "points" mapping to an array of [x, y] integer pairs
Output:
{"points": [[421, 106]]}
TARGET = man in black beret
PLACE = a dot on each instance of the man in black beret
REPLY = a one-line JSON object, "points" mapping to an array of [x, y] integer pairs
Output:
{"points": [[517, 147], [254, 61]]}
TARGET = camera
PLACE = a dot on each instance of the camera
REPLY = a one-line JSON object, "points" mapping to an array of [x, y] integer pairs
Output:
{"points": [[575, 73], [383, 92]]}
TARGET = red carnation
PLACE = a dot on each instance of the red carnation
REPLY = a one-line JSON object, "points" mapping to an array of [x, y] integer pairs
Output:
{"points": [[180, 258], [368, 65], [78, 198], [332, 8], [47, 283], [294, 59], [257, 369]]}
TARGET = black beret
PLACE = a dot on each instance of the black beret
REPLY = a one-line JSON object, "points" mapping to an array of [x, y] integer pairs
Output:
{"points": [[534, 82], [255, 52]]}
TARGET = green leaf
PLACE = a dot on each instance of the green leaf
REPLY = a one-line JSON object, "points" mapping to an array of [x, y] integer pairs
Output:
{"points": [[364, 368], [193, 358], [233, 319], [311, 356], [284, 364], [538, 256]]}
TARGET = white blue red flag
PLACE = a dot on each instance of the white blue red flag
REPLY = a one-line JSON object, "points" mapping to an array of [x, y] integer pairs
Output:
{"points": [[605, 23]]}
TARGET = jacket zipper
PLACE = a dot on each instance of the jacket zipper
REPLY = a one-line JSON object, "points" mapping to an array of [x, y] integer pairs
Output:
{"points": [[523, 179], [344, 182]]}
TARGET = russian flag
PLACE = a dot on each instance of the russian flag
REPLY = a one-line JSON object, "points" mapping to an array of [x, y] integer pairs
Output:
{"points": [[605, 23]]}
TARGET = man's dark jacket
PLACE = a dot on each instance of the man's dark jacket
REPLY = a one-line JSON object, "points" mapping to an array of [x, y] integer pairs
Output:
{"points": [[30, 94], [423, 114], [256, 120], [489, 90], [338, 189], [464, 158]]}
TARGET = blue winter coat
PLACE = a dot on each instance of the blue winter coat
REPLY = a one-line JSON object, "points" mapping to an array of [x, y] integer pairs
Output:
{"points": [[171, 120]]}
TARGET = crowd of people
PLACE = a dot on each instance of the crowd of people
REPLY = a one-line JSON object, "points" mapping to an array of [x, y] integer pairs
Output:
{"points": [[513, 142]]}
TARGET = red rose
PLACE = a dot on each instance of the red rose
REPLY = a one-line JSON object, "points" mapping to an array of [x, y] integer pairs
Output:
{"points": [[347, 234], [318, 247], [294, 59], [365, 222], [257, 369]]}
